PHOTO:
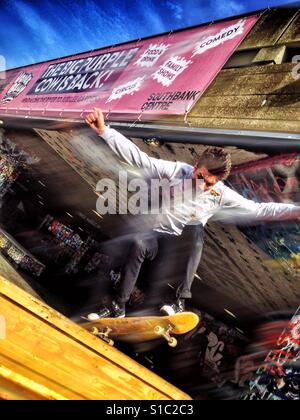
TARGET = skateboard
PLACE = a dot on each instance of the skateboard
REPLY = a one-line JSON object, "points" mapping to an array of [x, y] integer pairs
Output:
{"points": [[143, 329]]}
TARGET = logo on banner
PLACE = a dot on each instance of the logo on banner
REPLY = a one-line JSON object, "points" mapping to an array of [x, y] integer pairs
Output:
{"points": [[128, 88], [226, 34], [170, 70], [87, 74], [150, 57], [18, 87]]}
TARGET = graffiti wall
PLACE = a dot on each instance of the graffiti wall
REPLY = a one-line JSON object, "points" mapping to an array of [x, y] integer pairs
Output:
{"points": [[279, 376], [273, 180]]}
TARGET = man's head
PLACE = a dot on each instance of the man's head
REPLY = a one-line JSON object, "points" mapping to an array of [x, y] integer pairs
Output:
{"points": [[213, 165]]}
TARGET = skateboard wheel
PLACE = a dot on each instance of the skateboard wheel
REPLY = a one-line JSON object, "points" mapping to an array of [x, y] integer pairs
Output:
{"points": [[94, 331], [107, 340], [173, 342]]}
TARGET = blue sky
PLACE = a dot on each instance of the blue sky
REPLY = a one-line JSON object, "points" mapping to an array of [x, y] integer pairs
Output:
{"points": [[33, 31]]}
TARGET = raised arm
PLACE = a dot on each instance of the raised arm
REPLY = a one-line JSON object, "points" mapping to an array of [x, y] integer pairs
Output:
{"points": [[128, 151], [236, 208]]}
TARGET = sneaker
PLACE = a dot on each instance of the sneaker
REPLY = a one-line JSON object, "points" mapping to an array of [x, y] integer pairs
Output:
{"points": [[118, 309], [174, 308], [103, 313]]}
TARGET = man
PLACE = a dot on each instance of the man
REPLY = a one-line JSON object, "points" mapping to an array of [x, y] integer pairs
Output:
{"points": [[213, 201]]}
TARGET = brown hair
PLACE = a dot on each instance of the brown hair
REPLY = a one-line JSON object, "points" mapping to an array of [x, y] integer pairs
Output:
{"points": [[217, 161]]}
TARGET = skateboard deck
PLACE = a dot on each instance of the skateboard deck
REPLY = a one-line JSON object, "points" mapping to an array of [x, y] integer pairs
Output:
{"points": [[143, 329]]}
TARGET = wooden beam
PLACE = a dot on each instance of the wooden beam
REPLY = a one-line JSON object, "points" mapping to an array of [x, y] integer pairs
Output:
{"points": [[50, 351]]}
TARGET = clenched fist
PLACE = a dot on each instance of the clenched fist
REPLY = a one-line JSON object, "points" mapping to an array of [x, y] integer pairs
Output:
{"points": [[95, 121]]}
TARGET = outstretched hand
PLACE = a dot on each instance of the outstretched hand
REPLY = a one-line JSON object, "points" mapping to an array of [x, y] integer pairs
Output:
{"points": [[95, 121]]}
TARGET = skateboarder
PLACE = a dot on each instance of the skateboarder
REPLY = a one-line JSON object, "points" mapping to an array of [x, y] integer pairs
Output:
{"points": [[214, 200]]}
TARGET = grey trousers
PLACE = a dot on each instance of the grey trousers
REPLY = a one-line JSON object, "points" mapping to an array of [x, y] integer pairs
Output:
{"points": [[147, 246]]}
